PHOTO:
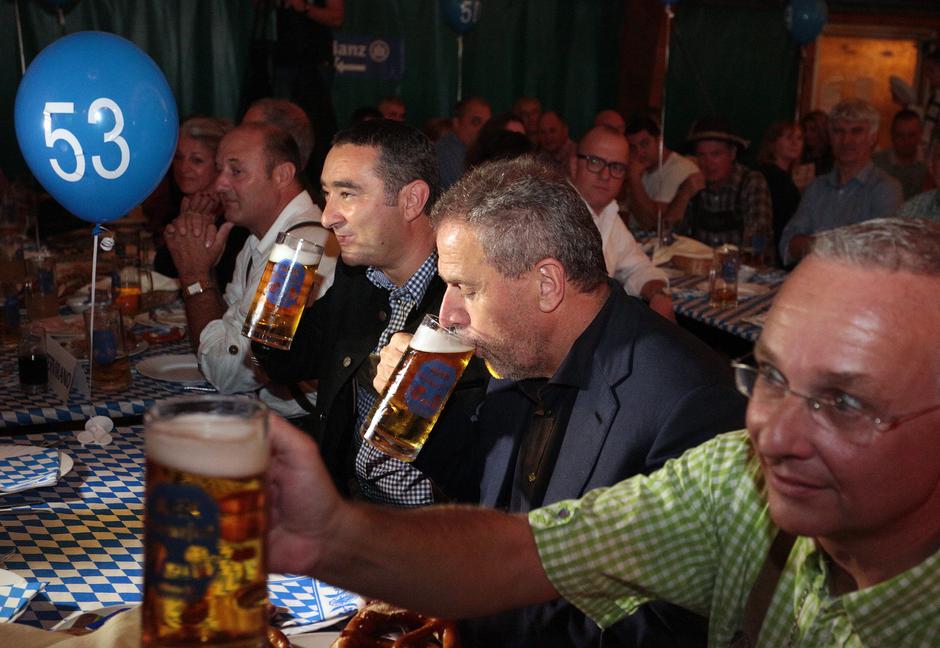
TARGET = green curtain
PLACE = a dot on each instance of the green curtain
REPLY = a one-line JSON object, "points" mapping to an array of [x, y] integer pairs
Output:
{"points": [[736, 61], [201, 46], [562, 51]]}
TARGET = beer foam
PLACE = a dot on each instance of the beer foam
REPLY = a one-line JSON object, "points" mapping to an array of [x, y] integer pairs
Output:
{"points": [[280, 252], [213, 446], [431, 341]]}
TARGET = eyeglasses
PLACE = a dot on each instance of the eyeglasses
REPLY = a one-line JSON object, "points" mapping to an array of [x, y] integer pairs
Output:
{"points": [[843, 415], [596, 165]]}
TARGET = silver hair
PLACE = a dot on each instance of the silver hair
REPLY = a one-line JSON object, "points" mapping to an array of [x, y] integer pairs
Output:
{"points": [[206, 130], [523, 211], [894, 244], [856, 110]]}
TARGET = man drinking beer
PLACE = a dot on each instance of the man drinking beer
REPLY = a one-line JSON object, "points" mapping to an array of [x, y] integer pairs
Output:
{"points": [[595, 386], [379, 181]]}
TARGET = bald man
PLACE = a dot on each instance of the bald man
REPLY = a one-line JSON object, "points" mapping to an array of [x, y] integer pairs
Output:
{"points": [[597, 171]]}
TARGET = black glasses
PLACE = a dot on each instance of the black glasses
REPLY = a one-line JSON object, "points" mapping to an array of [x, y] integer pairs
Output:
{"points": [[596, 165], [842, 415]]}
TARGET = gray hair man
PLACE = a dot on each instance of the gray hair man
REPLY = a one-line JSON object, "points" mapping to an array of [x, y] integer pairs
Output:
{"points": [[854, 191], [594, 387]]}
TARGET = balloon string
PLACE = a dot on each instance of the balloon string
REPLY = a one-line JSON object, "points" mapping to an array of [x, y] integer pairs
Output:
{"points": [[91, 316], [19, 36], [660, 226], [459, 67]]}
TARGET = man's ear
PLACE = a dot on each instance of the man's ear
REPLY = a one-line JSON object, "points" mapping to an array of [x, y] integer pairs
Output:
{"points": [[551, 276], [283, 174], [412, 199]]}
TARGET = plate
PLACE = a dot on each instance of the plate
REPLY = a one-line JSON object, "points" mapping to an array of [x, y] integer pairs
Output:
{"points": [[745, 289], [177, 368], [6, 451]]}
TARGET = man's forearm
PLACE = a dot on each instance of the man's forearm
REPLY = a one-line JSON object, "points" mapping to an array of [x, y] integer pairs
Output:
{"points": [[645, 209], [452, 562]]}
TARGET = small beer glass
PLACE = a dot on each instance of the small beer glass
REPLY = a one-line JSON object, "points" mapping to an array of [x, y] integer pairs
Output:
{"points": [[282, 292], [205, 561], [401, 419], [107, 348], [723, 278]]}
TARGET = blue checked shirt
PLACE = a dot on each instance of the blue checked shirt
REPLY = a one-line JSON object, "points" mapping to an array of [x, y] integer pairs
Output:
{"points": [[382, 478]]}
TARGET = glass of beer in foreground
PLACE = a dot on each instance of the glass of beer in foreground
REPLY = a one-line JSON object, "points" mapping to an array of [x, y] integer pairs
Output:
{"points": [[401, 419], [205, 567], [282, 292]]}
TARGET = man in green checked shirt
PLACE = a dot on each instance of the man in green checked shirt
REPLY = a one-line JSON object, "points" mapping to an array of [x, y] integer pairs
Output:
{"points": [[841, 452]]}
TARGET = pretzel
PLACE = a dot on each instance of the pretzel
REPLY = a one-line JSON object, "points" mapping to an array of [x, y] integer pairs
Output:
{"points": [[373, 625]]}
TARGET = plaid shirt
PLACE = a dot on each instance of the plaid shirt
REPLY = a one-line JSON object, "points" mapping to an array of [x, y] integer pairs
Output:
{"points": [[696, 533], [745, 193], [381, 478], [925, 205]]}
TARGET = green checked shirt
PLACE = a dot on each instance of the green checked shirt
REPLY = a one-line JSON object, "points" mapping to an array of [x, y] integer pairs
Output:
{"points": [[696, 533]]}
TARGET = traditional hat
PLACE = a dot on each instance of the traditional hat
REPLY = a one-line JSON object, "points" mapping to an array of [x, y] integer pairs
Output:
{"points": [[714, 128]]}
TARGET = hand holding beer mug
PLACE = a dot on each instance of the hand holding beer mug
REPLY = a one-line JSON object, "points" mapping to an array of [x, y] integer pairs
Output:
{"points": [[401, 419], [205, 567], [282, 292]]}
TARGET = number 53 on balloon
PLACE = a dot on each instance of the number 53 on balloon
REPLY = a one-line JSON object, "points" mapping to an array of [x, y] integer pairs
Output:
{"points": [[97, 124]]}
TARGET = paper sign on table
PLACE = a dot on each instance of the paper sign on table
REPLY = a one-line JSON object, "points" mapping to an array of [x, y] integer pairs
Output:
{"points": [[65, 374]]}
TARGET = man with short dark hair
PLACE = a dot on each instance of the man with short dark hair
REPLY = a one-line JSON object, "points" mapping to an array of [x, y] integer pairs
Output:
{"points": [[818, 526], [901, 161], [555, 146], [260, 190], [529, 109], [379, 179], [854, 191], [392, 107], [593, 387], [451, 149], [652, 187]]}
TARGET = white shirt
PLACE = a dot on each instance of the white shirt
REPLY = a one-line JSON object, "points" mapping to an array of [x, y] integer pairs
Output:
{"points": [[661, 185], [228, 371], [625, 260]]}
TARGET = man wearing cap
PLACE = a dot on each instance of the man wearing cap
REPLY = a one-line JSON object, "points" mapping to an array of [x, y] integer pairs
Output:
{"points": [[854, 191], [726, 202]]}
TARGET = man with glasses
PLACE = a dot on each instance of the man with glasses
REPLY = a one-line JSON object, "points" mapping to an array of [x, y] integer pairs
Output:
{"points": [[597, 171], [818, 526]]}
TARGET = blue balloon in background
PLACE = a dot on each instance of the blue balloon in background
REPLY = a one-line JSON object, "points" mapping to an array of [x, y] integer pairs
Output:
{"points": [[462, 15], [806, 19], [96, 123]]}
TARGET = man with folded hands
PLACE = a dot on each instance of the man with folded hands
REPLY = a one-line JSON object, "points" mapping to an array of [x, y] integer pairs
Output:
{"points": [[594, 386], [817, 526], [260, 190]]}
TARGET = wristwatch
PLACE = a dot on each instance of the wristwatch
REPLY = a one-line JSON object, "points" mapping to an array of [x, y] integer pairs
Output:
{"points": [[198, 287]]}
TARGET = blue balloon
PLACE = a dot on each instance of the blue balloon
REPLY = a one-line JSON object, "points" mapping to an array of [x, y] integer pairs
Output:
{"points": [[806, 19], [462, 15], [96, 123]]}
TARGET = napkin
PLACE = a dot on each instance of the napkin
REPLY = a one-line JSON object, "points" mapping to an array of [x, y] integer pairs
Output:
{"points": [[304, 604], [15, 596], [149, 281], [31, 470], [684, 246]]}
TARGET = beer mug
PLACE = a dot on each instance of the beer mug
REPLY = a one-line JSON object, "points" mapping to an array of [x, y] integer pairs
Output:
{"points": [[723, 278], [126, 287], [282, 292], [205, 562], [401, 419]]}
